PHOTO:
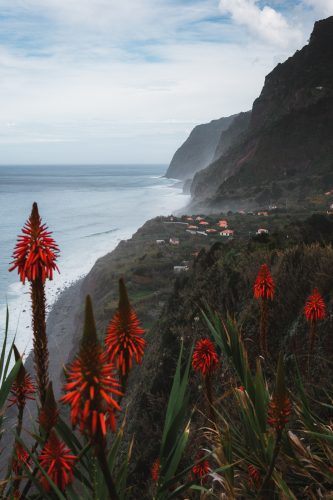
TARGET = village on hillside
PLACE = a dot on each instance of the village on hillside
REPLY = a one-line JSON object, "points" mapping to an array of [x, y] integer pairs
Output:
{"points": [[188, 234]]}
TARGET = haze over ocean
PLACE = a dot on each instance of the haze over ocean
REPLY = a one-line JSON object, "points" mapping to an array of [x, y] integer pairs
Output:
{"points": [[89, 209]]}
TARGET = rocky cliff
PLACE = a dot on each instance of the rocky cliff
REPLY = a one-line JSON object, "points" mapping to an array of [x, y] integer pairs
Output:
{"points": [[198, 150], [286, 153], [232, 134]]}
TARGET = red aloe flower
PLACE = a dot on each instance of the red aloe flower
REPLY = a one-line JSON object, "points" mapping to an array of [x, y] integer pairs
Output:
{"points": [[201, 468], [264, 286], [124, 335], [91, 384], [57, 461], [205, 358], [23, 387], [34, 257], [48, 415], [280, 406], [278, 412], [22, 391], [21, 457], [315, 308], [155, 470], [36, 252], [254, 475]]}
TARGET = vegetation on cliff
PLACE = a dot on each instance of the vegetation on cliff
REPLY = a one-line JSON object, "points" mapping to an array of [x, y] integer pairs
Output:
{"points": [[251, 419]]}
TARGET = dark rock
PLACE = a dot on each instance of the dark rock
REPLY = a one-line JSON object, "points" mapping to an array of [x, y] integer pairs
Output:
{"points": [[289, 136], [198, 149]]}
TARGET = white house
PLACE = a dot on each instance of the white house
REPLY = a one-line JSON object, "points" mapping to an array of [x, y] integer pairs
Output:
{"points": [[262, 231], [227, 233], [180, 269], [174, 241], [160, 242]]}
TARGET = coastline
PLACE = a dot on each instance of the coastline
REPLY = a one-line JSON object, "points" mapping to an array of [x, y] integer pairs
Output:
{"points": [[64, 326], [114, 206]]}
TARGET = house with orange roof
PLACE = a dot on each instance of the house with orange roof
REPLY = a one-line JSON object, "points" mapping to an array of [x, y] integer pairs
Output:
{"points": [[204, 223], [223, 224], [211, 230]]}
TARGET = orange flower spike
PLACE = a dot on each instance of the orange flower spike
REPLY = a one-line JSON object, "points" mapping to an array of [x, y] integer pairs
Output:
{"points": [[21, 457], [202, 467], [264, 289], [315, 308], [254, 475], [57, 461], [155, 470], [279, 408], [124, 340], [48, 415], [205, 358], [92, 384], [264, 286], [36, 252], [23, 387]]}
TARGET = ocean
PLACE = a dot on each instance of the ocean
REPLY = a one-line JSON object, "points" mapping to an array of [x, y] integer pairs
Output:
{"points": [[89, 209]]}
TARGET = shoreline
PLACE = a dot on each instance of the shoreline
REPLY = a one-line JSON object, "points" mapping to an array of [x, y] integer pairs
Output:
{"points": [[123, 208], [61, 332]]}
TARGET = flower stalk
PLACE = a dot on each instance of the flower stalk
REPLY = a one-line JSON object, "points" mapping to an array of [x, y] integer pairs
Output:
{"points": [[205, 360], [124, 340], [22, 389], [264, 289], [278, 415], [314, 310], [91, 385], [35, 257]]}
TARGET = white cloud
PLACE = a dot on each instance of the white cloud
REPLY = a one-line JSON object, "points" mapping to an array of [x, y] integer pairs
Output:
{"points": [[125, 81], [153, 105], [266, 23], [321, 7]]}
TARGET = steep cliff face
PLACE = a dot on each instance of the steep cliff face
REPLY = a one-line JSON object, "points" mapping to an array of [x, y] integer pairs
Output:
{"points": [[198, 150], [304, 80], [232, 134], [287, 151]]}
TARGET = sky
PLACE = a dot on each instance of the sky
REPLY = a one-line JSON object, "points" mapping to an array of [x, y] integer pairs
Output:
{"points": [[125, 81]]}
